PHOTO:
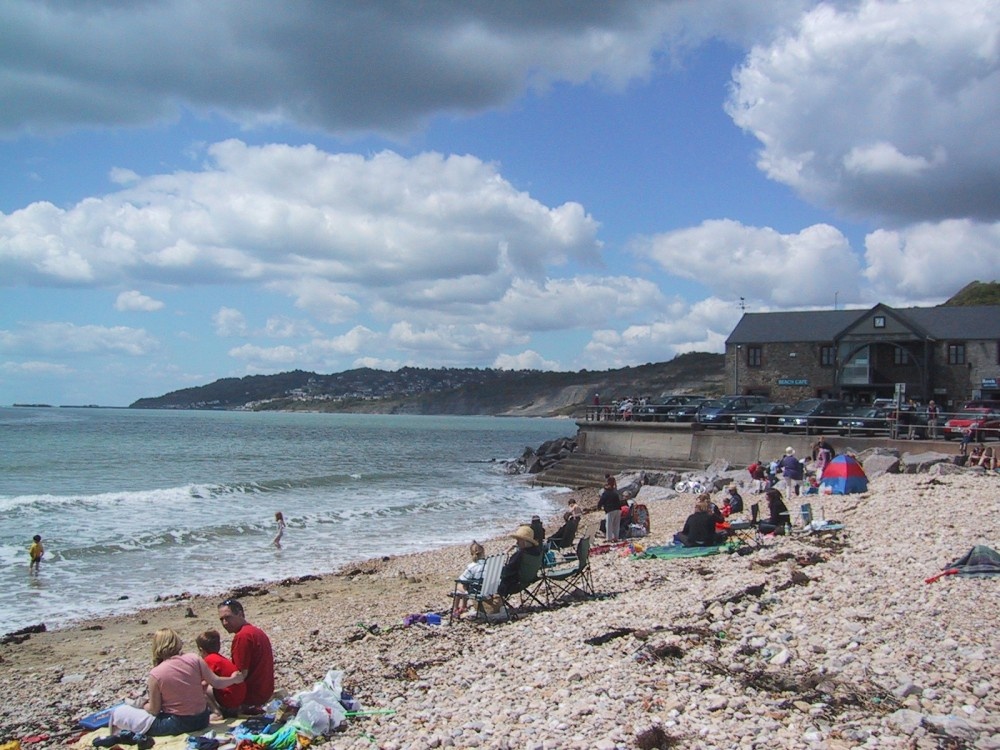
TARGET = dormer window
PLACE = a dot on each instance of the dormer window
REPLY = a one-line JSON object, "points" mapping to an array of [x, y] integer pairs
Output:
{"points": [[879, 321]]}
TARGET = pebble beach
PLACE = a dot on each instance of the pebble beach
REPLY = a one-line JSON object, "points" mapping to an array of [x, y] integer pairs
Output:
{"points": [[810, 641]]}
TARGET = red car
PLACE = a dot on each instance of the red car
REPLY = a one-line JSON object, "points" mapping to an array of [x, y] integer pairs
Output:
{"points": [[980, 423]]}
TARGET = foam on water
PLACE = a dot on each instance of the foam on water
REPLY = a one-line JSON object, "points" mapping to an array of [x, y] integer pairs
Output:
{"points": [[133, 532]]}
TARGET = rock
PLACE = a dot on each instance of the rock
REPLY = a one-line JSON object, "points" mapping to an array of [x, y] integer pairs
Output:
{"points": [[906, 689], [906, 720], [780, 658], [918, 463], [944, 469], [953, 726], [879, 464]]}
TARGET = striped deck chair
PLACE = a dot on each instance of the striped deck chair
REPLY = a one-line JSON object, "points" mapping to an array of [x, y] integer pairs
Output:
{"points": [[486, 589]]}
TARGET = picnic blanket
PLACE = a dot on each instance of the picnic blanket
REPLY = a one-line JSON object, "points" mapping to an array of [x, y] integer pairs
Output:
{"points": [[675, 551]]}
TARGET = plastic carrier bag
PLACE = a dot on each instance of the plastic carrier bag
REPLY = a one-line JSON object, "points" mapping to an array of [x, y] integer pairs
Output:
{"points": [[320, 709]]}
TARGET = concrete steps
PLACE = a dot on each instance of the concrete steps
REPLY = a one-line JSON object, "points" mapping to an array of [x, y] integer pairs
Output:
{"points": [[580, 470]]}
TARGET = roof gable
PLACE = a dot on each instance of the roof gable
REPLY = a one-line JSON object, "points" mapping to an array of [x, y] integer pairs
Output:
{"points": [[941, 323]]}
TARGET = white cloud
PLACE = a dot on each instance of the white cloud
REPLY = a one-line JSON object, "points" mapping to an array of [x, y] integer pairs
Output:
{"points": [[134, 301], [759, 263], [453, 343], [122, 176], [281, 327], [578, 302], [702, 326], [268, 357], [37, 368], [526, 360], [229, 322], [63, 339], [302, 218], [882, 107], [885, 158], [930, 262]]}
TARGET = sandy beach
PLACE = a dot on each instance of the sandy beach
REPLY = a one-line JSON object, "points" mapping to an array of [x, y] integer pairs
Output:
{"points": [[818, 642]]}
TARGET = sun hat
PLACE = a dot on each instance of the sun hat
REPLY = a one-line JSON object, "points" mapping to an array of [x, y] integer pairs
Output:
{"points": [[524, 533], [789, 451]]}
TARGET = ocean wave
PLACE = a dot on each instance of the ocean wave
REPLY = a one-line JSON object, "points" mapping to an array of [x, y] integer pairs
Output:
{"points": [[141, 498]]}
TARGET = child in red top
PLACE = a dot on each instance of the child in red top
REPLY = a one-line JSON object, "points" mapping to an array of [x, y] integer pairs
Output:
{"points": [[228, 699]]}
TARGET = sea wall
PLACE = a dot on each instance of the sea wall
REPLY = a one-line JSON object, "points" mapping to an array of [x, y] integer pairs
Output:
{"points": [[666, 442]]}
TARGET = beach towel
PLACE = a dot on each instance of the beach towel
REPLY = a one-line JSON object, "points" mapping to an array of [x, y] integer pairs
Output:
{"points": [[675, 551]]}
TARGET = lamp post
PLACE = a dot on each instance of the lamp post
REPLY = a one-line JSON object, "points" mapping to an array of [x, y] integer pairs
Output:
{"points": [[736, 370]]}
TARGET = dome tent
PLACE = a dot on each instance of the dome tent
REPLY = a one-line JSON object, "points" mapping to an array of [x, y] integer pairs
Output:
{"points": [[844, 476]]}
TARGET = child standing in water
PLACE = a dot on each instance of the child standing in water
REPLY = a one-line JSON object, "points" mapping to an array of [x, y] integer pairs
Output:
{"points": [[35, 552], [280, 520]]}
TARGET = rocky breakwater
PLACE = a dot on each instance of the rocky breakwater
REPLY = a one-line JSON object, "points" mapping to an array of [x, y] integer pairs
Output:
{"points": [[537, 460]]}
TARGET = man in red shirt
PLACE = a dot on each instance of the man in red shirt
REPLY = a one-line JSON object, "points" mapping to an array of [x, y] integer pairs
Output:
{"points": [[251, 653]]}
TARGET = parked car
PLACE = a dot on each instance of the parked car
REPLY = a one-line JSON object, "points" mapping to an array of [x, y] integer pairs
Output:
{"points": [[813, 415], [658, 412], [981, 423], [864, 420], [686, 412], [763, 417], [720, 412]]}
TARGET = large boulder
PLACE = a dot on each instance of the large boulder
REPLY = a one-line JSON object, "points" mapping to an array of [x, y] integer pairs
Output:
{"points": [[945, 469], [878, 464], [718, 466], [919, 463], [650, 493]]}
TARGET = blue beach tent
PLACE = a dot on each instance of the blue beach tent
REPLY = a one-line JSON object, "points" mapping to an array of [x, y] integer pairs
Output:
{"points": [[844, 476]]}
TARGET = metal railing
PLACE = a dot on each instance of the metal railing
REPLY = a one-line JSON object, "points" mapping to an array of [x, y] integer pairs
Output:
{"points": [[886, 425]]}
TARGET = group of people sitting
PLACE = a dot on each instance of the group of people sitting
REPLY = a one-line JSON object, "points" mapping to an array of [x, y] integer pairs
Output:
{"points": [[184, 689], [529, 539], [980, 455], [708, 525]]}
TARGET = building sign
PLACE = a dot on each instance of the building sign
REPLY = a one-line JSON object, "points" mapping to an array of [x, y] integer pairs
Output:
{"points": [[989, 383], [793, 381]]}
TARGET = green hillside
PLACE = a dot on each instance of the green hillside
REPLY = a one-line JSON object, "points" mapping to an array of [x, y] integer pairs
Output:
{"points": [[413, 390]]}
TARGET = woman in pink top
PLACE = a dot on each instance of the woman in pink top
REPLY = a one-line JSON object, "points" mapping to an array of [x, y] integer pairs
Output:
{"points": [[176, 696]]}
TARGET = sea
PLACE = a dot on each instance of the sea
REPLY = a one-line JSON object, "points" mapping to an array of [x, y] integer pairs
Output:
{"points": [[136, 504]]}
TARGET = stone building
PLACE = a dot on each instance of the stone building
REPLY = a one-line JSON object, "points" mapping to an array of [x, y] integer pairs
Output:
{"points": [[949, 354]]}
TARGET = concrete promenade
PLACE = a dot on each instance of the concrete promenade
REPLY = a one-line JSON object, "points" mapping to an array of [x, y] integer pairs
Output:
{"points": [[665, 442]]}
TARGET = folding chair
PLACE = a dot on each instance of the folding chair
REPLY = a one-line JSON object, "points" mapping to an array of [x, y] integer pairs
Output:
{"points": [[530, 585], [746, 531], [486, 589], [564, 538], [806, 514], [570, 582]]}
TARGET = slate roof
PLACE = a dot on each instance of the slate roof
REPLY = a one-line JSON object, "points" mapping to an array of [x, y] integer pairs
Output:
{"points": [[954, 323]]}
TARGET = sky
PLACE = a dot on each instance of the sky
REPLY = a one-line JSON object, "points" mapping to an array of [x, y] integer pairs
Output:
{"points": [[195, 190]]}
